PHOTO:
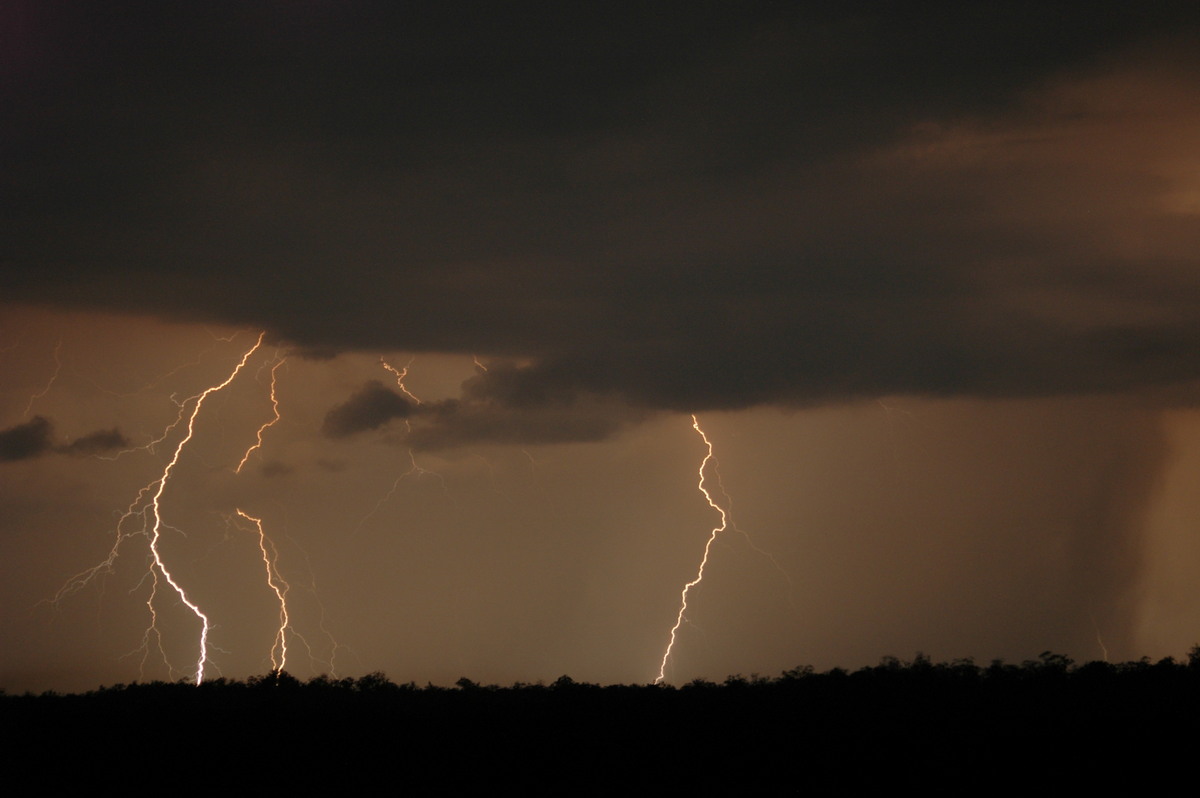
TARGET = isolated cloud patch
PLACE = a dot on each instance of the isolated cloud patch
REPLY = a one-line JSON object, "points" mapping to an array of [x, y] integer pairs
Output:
{"points": [[372, 407], [34, 438], [96, 443]]}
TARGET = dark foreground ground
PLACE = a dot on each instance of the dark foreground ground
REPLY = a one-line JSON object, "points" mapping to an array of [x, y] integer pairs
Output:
{"points": [[1041, 726]]}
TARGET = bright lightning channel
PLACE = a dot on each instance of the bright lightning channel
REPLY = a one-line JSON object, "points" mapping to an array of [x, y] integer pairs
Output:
{"points": [[281, 588], [717, 530], [156, 381], [85, 577], [275, 408], [150, 508], [152, 446], [155, 532], [400, 375], [415, 470], [754, 547]]}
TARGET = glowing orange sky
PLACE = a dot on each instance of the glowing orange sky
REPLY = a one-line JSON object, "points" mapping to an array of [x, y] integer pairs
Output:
{"points": [[927, 277], [958, 528]]}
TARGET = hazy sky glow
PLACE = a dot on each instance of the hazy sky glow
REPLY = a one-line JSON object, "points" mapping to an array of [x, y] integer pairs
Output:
{"points": [[928, 280]]}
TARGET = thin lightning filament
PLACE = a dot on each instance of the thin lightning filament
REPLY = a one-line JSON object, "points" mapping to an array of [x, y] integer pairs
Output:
{"points": [[717, 530], [275, 408], [156, 529], [281, 588]]}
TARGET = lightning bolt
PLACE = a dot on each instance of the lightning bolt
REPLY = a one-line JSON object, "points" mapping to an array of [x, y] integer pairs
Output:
{"points": [[152, 630], [754, 547], [321, 625], [274, 580], [156, 381], [156, 514], [152, 445], [1099, 639], [86, 576], [50, 382], [413, 471], [717, 530], [275, 408], [182, 406], [147, 505], [401, 374]]}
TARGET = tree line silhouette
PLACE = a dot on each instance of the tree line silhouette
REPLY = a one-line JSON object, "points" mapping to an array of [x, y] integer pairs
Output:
{"points": [[1047, 721]]}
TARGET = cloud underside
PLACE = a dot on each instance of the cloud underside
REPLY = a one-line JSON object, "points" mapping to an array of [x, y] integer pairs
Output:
{"points": [[495, 407], [762, 207], [34, 438]]}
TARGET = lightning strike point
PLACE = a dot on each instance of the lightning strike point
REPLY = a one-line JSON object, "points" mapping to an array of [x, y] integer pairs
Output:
{"points": [[717, 530], [274, 581], [1099, 638], [331, 662], [156, 530], [147, 505]]}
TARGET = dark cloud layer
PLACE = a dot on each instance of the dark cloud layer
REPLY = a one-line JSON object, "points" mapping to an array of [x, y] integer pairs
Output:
{"points": [[689, 206], [504, 405], [501, 405]]}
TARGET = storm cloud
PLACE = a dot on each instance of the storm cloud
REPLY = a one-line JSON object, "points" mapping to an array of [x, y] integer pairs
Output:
{"points": [[508, 403], [694, 210], [926, 274]]}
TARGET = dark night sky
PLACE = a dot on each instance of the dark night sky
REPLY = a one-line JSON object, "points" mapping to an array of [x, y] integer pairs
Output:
{"points": [[927, 270]]}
